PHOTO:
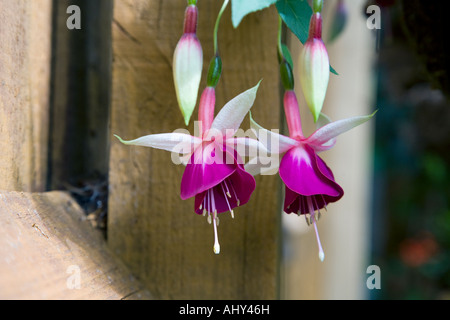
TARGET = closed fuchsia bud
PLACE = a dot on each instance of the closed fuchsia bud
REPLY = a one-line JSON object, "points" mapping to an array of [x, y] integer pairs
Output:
{"points": [[188, 65], [314, 67]]}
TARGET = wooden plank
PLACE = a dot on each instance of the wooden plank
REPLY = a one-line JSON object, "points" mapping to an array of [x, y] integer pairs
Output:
{"points": [[25, 52], [48, 250], [158, 235]]}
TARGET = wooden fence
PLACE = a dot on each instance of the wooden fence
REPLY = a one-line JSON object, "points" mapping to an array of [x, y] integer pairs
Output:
{"points": [[63, 93]]}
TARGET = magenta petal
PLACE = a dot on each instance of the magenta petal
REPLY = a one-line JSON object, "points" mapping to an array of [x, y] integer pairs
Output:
{"points": [[244, 184], [297, 203], [306, 174], [232, 192], [291, 203], [205, 170]]}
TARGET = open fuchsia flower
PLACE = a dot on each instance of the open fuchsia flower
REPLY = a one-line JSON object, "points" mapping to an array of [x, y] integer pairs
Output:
{"points": [[215, 173], [188, 64], [310, 184], [314, 67]]}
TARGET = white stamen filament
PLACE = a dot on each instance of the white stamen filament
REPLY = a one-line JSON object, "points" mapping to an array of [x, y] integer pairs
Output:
{"points": [[313, 218], [215, 222], [216, 237], [228, 190], [226, 199], [235, 195], [209, 208]]}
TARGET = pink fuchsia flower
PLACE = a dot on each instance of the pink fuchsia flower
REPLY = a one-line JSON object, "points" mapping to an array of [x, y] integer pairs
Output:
{"points": [[215, 173], [314, 67], [188, 65], [309, 182]]}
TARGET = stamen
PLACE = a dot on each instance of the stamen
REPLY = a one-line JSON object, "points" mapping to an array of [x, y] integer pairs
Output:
{"points": [[216, 238], [317, 206], [311, 211], [228, 191], [306, 218], [229, 207], [324, 203], [213, 202], [209, 201], [235, 195], [216, 223], [302, 206]]}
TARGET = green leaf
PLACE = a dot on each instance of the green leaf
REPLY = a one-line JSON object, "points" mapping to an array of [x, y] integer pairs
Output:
{"points": [[241, 8], [296, 14], [333, 71]]}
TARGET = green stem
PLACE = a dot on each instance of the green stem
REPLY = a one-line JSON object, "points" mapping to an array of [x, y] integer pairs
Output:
{"points": [[216, 27], [280, 32], [192, 2], [317, 5]]}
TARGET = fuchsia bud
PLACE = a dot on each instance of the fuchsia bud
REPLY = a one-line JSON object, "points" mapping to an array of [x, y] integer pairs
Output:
{"points": [[314, 67], [208, 98], [188, 65], [206, 109]]}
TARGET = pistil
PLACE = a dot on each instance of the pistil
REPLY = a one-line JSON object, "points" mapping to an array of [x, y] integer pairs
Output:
{"points": [[314, 222]]}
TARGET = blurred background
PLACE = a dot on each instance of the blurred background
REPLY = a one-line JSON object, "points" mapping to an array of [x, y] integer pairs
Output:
{"points": [[395, 170]]}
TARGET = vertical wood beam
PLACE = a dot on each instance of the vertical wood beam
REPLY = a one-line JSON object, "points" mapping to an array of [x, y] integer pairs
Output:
{"points": [[25, 52], [156, 233]]}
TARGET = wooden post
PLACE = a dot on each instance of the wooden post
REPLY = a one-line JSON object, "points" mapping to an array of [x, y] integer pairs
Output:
{"points": [[48, 250], [156, 233], [25, 48]]}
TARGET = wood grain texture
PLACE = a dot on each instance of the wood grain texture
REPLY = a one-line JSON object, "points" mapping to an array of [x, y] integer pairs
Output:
{"points": [[25, 53], [157, 234], [46, 243]]}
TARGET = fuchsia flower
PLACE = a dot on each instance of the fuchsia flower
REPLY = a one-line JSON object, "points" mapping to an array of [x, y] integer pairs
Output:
{"points": [[214, 174], [188, 64], [310, 184]]}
